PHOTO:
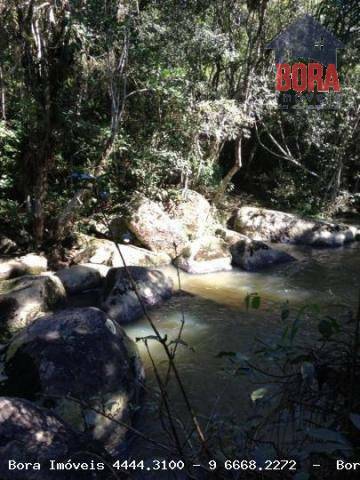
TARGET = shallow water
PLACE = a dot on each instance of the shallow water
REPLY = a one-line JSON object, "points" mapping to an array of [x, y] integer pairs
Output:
{"points": [[216, 320]]}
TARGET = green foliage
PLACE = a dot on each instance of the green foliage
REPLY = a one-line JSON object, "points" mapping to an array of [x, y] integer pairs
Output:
{"points": [[9, 147], [162, 90], [305, 397]]}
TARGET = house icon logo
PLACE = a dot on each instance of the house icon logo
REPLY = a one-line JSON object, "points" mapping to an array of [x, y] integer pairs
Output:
{"points": [[307, 39], [314, 49]]}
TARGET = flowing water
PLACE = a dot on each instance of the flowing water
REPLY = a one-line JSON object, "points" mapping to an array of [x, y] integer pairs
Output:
{"points": [[216, 320]]}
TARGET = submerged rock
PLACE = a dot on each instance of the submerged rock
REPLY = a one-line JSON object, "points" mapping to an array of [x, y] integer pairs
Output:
{"points": [[120, 300], [79, 278], [155, 229], [271, 225], [30, 264], [25, 298], [32, 434], [83, 366], [205, 255], [255, 255]]}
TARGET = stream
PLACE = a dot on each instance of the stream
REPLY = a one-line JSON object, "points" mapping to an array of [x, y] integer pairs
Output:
{"points": [[216, 319]]}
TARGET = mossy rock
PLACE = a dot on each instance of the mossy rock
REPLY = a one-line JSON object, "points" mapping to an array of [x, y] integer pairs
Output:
{"points": [[75, 361]]}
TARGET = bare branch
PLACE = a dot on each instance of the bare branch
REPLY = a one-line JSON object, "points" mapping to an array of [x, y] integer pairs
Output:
{"points": [[285, 153]]}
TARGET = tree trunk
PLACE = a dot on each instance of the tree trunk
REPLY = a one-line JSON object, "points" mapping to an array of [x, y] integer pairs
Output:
{"points": [[38, 211], [117, 89], [233, 170], [70, 212], [335, 183], [3, 95], [41, 163]]}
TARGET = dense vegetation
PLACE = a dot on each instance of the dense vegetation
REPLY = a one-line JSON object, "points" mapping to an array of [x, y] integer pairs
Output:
{"points": [[142, 95], [101, 100]]}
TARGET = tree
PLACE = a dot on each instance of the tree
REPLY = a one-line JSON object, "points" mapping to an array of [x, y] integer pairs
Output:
{"points": [[39, 33]]}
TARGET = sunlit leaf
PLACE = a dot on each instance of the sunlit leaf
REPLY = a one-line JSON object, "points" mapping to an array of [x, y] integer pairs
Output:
{"points": [[259, 394]]}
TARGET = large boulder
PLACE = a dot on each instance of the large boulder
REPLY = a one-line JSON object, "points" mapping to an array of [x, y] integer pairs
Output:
{"points": [[29, 434], [11, 268], [25, 298], [79, 278], [120, 300], [194, 213], [92, 250], [104, 252], [271, 225], [30, 264], [254, 255], [100, 268], [205, 255], [83, 366], [139, 257], [155, 229]]}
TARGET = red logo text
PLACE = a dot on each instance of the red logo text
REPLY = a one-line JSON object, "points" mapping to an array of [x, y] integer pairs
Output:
{"points": [[301, 77]]}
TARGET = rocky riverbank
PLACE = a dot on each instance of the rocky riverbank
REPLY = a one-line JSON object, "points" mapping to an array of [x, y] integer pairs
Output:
{"points": [[78, 365]]}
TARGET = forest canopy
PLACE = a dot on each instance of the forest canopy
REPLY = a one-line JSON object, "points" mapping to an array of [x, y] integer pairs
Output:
{"points": [[124, 96]]}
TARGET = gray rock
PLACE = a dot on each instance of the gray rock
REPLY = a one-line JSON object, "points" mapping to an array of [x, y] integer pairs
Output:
{"points": [[139, 257], [25, 298], [154, 228], [92, 250], [205, 255], [120, 300], [80, 363], [30, 264], [255, 255], [271, 225], [79, 278], [11, 269], [104, 252], [32, 434], [230, 237], [102, 269]]}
